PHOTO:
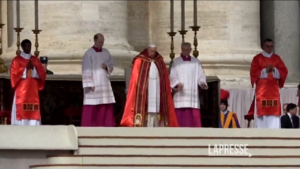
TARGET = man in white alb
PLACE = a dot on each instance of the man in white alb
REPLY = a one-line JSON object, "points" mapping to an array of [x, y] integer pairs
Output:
{"points": [[99, 98], [185, 76]]}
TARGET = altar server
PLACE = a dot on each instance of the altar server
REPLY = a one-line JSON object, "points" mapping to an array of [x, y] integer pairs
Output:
{"points": [[27, 78], [227, 119], [185, 76], [97, 66], [149, 99], [268, 73]]}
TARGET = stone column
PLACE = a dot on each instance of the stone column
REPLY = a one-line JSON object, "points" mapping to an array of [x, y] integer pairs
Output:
{"points": [[286, 36], [228, 39], [4, 21], [138, 24], [68, 28]]}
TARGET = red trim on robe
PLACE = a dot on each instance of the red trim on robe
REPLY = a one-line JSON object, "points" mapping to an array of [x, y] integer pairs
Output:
{"points": [[267, 90], [97, 49], [27, 90], [136, 103]]}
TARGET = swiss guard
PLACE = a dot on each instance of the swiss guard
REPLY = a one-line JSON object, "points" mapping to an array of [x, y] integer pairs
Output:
{"points": [[227, 119]]}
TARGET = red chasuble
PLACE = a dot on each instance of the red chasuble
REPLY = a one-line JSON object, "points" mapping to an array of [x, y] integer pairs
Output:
{"points": [[135, 112], [27, 90], [267, 90]]}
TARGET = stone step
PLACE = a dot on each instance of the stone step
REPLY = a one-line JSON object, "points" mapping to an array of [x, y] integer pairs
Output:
{"points": [[183, 150], [178, 148], [185, 141], [90, 132], [70, 166], [174, 160]]}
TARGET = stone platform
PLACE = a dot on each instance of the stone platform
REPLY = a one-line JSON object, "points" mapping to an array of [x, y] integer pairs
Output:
{"points": [[67, 147]]}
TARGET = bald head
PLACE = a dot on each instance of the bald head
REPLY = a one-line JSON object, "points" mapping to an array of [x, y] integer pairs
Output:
{"points": [[151, 50], [99, 40]]}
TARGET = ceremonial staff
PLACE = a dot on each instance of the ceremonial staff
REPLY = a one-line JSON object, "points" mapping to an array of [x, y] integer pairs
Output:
{"points": [[182, 31], [172, 33], [18, 29], [36, 31], [196, 28]]}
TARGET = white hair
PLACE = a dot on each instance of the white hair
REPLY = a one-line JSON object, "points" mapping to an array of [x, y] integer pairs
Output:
{"points": [[186, 44], [152, 46]]}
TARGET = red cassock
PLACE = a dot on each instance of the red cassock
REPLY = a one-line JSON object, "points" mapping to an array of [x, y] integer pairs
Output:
{"points": [[27, 90], [267, 90], [135, 112], [298, 94]]}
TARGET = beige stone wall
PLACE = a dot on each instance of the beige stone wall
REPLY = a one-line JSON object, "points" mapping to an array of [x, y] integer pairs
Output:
{"points": [[68, 29], [228, 39]]}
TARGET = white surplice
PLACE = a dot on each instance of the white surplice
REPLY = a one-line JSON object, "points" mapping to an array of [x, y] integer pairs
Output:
{"points": [[271, 122], [24, 122], [153, 96], [191, 75], [153, 89], [93, 75]]}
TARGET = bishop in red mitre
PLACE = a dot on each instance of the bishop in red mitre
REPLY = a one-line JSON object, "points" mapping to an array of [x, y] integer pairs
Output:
{"points": [[268, 73], [27, 77], [149, 100], [228, 119]]}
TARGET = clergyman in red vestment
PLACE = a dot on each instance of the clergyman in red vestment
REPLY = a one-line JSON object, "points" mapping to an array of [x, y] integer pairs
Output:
{"points": [[27, 77], [149, 100], [268, 73]]}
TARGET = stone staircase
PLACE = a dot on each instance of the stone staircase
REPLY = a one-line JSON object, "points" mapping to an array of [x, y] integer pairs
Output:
{"points": [[165, 148]]}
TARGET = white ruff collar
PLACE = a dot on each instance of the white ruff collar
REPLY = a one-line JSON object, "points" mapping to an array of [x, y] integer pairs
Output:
{"points": [[265, 54], [25, 55]]}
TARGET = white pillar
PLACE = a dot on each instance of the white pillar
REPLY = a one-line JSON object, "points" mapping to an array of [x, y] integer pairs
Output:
{"points": [[68, 28], [286, 36], [228, 39]]}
